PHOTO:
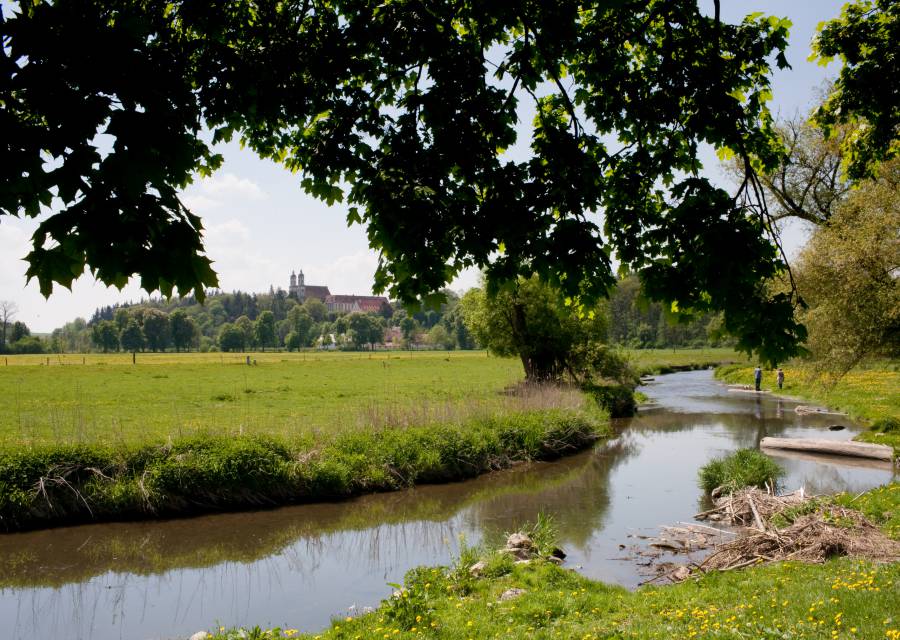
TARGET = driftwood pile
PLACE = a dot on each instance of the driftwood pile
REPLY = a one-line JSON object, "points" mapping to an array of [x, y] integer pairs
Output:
{"points": [[827, 530], [751, 507]]}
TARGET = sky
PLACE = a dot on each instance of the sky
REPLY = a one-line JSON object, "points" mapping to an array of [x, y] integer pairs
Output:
{"points": [[260, 225]]}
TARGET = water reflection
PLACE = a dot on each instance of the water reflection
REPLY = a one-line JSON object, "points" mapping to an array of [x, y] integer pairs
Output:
{"points": [[298, 566]]}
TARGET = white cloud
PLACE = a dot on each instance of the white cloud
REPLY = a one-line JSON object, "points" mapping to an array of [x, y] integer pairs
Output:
{"points": [[228, 185], [227, 234], [221, 191], [200, 204]]}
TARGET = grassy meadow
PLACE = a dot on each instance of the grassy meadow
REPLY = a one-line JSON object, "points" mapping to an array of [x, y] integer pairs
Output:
{"points": [[102, 438], [285, 394], [104, 397]]}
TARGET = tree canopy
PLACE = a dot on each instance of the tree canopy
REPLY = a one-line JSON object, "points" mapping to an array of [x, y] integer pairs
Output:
{"points": [[404, 110], [849, 273], [552, 340], [867, 92]]}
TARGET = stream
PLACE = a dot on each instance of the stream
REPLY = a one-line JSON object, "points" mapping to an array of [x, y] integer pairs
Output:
{"points": [[298, 566]]}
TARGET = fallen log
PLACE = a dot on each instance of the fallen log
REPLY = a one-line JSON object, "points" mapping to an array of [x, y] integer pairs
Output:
{"points": [[806, 410], [831, 459], [835, 447]]}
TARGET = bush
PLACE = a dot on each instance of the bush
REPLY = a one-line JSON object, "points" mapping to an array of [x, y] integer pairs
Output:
{"points": [[618, 400], [743, 468]]}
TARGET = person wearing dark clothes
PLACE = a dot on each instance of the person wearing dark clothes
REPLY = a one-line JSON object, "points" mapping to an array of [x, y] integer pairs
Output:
{"points": [[779, 378], [757, 377]]}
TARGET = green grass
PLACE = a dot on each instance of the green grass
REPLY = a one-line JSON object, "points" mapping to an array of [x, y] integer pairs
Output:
{"points": [[658, 361], [868, 393], [50, 484], [743, 468], [284, 395], [841, 598], [103, 397]]}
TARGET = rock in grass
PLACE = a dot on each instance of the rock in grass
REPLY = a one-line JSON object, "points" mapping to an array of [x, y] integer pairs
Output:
{"points": [[510, 594], [519, 541], [478, 568], [200, 635]]}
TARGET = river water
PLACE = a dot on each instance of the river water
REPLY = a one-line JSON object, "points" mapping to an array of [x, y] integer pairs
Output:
{"points": [[299, 566]]}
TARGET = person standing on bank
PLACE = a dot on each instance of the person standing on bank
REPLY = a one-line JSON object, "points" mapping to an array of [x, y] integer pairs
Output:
{"points": [[757, 377], [779, 378]]}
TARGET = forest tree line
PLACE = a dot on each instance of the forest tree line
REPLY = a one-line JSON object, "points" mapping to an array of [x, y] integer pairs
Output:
{"points": [[240, 321]]}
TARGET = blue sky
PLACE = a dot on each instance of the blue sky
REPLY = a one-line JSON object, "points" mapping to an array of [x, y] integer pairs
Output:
{"points": [[260, 225]]}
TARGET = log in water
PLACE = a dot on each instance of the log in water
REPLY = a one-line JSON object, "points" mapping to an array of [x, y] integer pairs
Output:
{"points": [[834, 447]]}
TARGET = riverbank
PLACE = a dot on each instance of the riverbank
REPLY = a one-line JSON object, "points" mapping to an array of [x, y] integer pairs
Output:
{"points": [[662, 361], [841, 598], [141, 441], [46, 485], [868, 394]]}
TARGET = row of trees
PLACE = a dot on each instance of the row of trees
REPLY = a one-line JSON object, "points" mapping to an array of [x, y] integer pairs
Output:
{"points": [[280, 322], [140, 329], [15, 336]]}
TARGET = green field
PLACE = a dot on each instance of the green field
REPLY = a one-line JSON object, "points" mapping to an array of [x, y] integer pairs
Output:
{"points": [[103, 397], [656, 361], [176, 395]]}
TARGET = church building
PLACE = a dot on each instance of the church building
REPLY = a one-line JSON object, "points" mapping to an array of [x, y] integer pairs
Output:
{"points": [[302, 292]]}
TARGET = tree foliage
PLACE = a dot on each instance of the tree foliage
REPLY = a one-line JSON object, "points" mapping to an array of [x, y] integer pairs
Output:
{"points": [[365, 329], [157, 329], [867, 92], [232, 338], [264, 330], [184, 330], [132, 337], [809, 181], [105, 336], [528, 321], [849, 273], [404, 111], [637, 322]]}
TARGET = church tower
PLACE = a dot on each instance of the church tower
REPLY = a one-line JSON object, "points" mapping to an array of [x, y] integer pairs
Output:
{"points": [[292, 290], [301, 285]]}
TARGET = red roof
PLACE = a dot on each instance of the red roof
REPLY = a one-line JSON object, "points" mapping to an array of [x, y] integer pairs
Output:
{"points": [[365, 303], [315, 291]]}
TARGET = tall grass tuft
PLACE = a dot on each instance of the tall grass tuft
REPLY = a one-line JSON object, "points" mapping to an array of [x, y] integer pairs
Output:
{"points": [[743, 468]]}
